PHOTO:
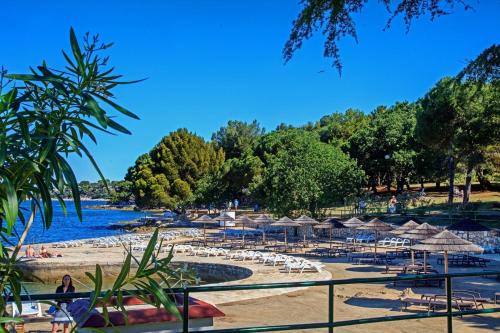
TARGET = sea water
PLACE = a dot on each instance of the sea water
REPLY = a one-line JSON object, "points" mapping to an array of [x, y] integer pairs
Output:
{"points": [[95, 223]]}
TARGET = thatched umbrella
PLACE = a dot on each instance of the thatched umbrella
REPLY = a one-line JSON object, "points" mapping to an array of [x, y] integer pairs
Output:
{"points": [[377, 226], [305, 221], [407, 219], [353, 222], [467, 225], [446, 241], [423, 231], [410, 225], [205, 219], [244, 219], [286, 223], [263, 219], [224, 218], [330, 224]]}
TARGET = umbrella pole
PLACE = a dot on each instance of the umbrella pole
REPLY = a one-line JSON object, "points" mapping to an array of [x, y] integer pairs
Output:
{"points": [[445, 262], [376, 237], [330, 238], [204, 235], [243, 235], [305, 230], [425, 262], [286, 239], [224, 231], [412, 257]]}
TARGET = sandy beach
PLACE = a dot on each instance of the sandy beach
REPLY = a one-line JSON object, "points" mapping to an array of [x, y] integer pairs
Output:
{"points": [[274, 307]]}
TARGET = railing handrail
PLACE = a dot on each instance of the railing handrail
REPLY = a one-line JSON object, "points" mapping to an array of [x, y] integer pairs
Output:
{"points": [[274, 285], [449, 314]]}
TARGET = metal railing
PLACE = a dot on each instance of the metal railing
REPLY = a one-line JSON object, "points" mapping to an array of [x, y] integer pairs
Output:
{"points": [[330, 323]]}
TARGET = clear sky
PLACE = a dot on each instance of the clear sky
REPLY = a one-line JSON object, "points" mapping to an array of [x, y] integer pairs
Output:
{"points": [[211, 61]]}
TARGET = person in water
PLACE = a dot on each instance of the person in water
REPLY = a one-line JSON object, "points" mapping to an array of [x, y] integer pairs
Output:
{"points": [[62, 316]]}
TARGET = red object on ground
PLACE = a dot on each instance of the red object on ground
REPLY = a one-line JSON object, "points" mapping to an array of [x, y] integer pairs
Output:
{"points": [[197, 310]]}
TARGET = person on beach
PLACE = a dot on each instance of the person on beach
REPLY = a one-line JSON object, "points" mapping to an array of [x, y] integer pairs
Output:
{"points": [[392, 205], [44, 253], [30, 252], [62, 316]]}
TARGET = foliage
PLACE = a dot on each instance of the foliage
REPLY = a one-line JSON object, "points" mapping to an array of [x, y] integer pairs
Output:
{"points": [[485, 68], [335, 18], [149, 276], [385, 145], [168, 175], [304, 174], [46, 116], [460, 120], [339, 127], [237, 138]]}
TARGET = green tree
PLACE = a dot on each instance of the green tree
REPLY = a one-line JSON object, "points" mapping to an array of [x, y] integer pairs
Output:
{"points": [[303, 173], [168, 175], [237, 138], [385, 146], [46, 116], [461, 120], [339, 127]]}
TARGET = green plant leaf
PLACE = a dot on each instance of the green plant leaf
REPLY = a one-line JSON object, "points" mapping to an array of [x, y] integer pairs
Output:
{"points": [[10, 204], [146, 257]]}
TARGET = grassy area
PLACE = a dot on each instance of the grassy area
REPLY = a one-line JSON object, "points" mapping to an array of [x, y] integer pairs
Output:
{"points": [[484, 207]]}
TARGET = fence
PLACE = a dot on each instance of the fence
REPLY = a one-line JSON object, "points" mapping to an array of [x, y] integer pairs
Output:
{"points": [[330, 323]]}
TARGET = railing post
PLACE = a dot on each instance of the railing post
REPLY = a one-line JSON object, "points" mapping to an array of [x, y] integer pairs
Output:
{"points": [[448, 304], [331, 300], [185, 312]]}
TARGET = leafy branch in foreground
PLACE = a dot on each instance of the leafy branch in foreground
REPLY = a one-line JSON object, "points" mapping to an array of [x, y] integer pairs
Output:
{"points": [[152, 277], [335, 19], [46, 116]]}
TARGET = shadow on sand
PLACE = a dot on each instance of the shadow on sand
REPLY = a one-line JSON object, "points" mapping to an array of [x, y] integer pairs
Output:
{"points": [[378, 303]]}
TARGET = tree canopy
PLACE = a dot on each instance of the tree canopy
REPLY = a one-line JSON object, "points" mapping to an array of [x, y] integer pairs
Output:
{"points": [[335, 20], [303, 173], [167, 176]]}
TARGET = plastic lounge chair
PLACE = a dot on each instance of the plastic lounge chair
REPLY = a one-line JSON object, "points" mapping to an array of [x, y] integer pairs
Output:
{"points": [[384, 242], [28, 309]]}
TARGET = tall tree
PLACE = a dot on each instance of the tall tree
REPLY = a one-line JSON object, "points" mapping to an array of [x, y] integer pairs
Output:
{"points": [[385, 146], [237, 138], [460, 120], [168, 175], [304, 174]]}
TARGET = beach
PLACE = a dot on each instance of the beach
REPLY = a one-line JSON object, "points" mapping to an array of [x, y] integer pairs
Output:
{"points": [[293, 305]]}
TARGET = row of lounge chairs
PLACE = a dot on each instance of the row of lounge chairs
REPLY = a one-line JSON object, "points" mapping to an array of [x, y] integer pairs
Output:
{"points": [[139, 241], [394, 242], [465, 260], [289, 263], [361, 238]]}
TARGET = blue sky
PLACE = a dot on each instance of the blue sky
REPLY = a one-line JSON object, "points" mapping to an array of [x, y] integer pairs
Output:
{"points": [[211, 61]]}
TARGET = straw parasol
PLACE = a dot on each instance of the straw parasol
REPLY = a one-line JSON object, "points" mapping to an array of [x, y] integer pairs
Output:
{"points": [[285, 222], [205, 219], [377, 226], [224, 217], [423, 231], [353, 222], [407, 219], [305, 220], [467, 225], [410, 225], [330, 224], [263, 219], [446, 241], [244, 219]]}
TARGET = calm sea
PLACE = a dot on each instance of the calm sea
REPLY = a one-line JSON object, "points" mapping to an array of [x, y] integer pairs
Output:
{"points": [[95, 223]]}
